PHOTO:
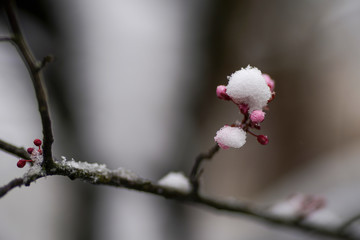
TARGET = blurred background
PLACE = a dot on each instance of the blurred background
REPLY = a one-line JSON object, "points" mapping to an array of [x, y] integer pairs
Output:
{"points": [[133, 86]]}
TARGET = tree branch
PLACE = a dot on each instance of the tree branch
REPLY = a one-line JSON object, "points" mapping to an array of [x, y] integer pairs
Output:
{"points": [[17, 151], [5, 39], [46, 60], [17, 182], [344, 227], [34, 68], [196, 171], [100, 175]]}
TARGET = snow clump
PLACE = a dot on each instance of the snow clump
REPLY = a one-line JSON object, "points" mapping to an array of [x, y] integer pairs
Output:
{"points": [[248, 86], [230, 137], [176, 181]]}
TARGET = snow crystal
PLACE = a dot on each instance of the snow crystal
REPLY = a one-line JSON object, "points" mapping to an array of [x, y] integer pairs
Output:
{"points": [[230, 137], [90, 167], [125, 173], [36, 168], [249, 86], [177, 181]]}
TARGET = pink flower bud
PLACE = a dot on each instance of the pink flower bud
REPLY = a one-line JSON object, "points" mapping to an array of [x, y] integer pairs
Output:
{"points": [[269, 82], [244, 108], [221, 93], [273, 94], [257, 116], [223, 146], [263, 139], [37, 142]]}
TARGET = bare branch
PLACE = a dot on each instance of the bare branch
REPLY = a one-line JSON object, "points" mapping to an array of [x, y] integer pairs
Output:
{"points": [[195, 172], [34, 68], [17, 182], [46, 60], [344, 227], [20, 152], [6, 39]]}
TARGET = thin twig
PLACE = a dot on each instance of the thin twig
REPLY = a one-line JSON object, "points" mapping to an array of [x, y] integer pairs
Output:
{"points": [[344, 227], [5, 39], [195, 172], [17, 182], [46, 60], [34, 68], [20, 152]]}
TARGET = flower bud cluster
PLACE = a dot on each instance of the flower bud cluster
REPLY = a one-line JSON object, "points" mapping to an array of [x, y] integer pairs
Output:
{"points": [[251, 91], [35, 155]]}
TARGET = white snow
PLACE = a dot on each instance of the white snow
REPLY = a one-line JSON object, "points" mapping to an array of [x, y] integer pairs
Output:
{"points": [[249, 86], [90, 167], [177, 181], [101, 169], [325, 218], [125, 173], [36, 168], [230, 137], [298, 205], [288, 208]]}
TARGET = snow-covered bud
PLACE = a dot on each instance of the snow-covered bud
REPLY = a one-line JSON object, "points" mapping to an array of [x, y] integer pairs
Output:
{"points": [[37, 142], [311, 204], [262, 139], [30, 150], [299, 206], [257, 116], [269, 82], [221, 93], [177, 181], [230, 137], [249, 86]]}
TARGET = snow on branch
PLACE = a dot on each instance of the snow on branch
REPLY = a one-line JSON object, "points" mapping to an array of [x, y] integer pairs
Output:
{"points": [[99, 174]]}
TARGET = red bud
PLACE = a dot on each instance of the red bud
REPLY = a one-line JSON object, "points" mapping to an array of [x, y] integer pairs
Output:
{"points": [[263, 139], [21, 163], [37, 142]]}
